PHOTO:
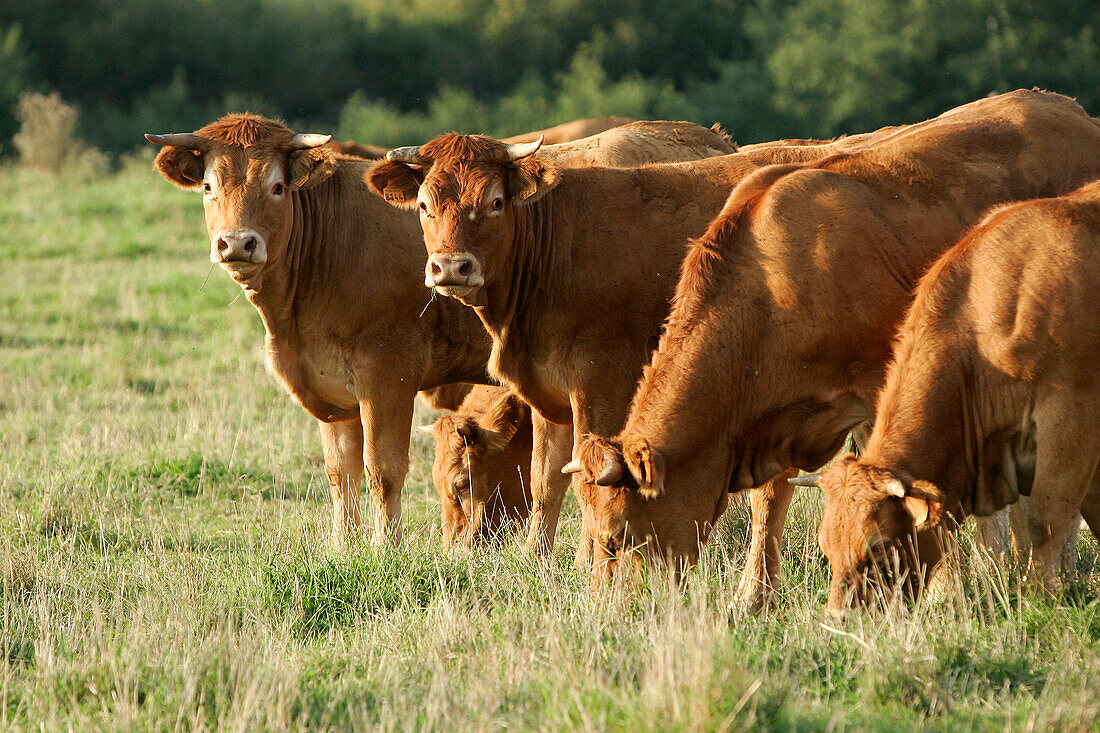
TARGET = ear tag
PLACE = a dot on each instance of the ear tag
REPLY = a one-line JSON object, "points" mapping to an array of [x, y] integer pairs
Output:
{"points": [[392, 193]]}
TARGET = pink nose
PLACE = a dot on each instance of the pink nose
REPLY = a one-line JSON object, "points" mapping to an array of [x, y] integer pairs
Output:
{"points": [[238, 248], [448, 270]]}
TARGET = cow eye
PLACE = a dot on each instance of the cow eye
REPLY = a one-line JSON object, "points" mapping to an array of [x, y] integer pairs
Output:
{"points": [[498, 204], [424, 209], [206, 187], [462, 484], [277, 189]]}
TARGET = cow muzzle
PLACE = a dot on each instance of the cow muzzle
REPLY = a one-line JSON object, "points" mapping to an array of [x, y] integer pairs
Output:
{"points": [[455, 275], [238, 251]]}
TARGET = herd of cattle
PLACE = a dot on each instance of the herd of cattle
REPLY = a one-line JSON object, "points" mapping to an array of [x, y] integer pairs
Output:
{"points": [[675, 319]]}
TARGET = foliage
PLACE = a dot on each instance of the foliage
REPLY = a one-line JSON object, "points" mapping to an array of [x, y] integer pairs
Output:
{"points": [[46, 139], [399, 71]]}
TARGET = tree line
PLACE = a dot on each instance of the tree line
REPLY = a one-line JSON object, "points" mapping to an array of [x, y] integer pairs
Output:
{"points": [[399, 71]]}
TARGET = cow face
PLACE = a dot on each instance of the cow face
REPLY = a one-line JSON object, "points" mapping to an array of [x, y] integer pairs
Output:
{"points": [[875, 530], [469, 191], [478, 473], [631, 518], [249, 171]]}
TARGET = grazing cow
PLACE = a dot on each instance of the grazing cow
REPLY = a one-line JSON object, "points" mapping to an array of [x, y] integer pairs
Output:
{"points": [[482, 464], [993, 392], [542, 256], [336, 275], [783, 318]]}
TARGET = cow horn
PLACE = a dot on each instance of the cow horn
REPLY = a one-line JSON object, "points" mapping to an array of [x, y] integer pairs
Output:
{"points": [[809, 479], [573, 466], [410, 154], [612, 471], [188, 140], [515, 151], [304, 140]]}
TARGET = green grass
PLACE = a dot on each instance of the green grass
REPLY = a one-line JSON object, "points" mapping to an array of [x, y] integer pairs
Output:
{"points": [[163, 556]]}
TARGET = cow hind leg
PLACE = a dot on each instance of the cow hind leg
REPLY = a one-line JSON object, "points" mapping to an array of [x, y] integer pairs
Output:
{"points": [[1067, 443], [342, 443], [769, 504]]}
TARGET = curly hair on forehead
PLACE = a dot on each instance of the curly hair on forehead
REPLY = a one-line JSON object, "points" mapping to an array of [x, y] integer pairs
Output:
{"points": [[464, 147], [247, 130]]}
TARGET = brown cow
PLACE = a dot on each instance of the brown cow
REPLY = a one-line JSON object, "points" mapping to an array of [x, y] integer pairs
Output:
{"points": [[482, 464], [782, 322], [993, 392], [357, 150], [540, 254], [563, 133], [352, 333], [568, 131]]}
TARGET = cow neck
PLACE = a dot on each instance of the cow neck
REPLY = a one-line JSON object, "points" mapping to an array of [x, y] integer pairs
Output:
{"points": [[936, 414], [513, 305], [301, 270]]}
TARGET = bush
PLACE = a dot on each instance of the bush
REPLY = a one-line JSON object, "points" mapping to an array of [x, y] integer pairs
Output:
{"points": [[46, 140]]}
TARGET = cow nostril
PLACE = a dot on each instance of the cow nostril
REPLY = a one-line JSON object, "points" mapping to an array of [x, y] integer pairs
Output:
{"points": [[250, 245], [464, 268], [436, 271], [222, 245]]}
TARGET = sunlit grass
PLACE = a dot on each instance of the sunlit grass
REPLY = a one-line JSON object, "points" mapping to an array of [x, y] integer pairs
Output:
{"points": [[163, 556]]}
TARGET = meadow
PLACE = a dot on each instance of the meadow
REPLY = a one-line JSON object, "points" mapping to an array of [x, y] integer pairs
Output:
{"points": [[164, 560]]}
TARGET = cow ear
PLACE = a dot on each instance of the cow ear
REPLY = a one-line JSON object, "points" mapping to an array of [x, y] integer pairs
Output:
{"points": [[311, 166], [467, 430], [398, 183], [530, 178], [647, 466], [181, 166], [924, 502]]}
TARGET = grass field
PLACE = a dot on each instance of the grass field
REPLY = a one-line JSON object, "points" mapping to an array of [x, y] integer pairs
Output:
{"points": [[163, 558]]}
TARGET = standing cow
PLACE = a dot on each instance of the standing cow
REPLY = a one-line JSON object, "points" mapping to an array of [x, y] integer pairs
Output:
{"points": [[336, 275], [570, 271], [993, 392], [782, 322]]}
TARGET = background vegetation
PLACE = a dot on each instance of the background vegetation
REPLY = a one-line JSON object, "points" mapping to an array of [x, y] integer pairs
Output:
{"points": [[398, 71]]}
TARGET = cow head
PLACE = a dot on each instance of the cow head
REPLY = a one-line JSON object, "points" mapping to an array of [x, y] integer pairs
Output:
{"points": [[477, 471], [468, 190], [249, 170], [629, 513], [876, 529]]}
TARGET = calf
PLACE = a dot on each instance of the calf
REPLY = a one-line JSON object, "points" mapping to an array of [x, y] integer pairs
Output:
{"points": [[482, 465]]}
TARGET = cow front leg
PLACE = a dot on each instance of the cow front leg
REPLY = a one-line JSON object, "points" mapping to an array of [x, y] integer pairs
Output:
{"points": [[342, 444], [551, 449], [769, 504], [387, 424]]}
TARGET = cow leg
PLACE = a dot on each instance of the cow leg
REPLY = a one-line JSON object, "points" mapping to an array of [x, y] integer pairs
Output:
{"points": [[769, 504], [1019, 515], [551, 449], [387, 425], [1090, 507], [1065, 466], [342, 443]]}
